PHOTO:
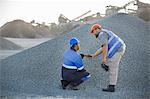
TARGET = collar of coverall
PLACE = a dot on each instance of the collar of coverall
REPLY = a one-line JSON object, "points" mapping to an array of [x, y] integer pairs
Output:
{"points": [[73, 49]]}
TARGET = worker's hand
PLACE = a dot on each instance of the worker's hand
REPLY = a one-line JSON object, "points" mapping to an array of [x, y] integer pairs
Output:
{"points": [[93, 55], [88, 55], [105, 67], [104, 61], [82, 55]]}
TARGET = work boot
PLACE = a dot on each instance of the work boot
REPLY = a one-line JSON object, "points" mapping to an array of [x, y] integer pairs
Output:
{"points": [[110, 88], [64, 83], [71, 87], [105, 67], [74, 86]]}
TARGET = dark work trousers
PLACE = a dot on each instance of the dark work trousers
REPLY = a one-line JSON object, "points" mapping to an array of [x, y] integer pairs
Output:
{"points": [[73, 76]]}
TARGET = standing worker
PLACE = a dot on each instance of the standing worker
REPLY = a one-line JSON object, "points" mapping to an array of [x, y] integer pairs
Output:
{"points": [[73, 72], [112, 49]]}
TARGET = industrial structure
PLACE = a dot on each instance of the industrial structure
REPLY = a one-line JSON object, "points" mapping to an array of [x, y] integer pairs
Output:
{"points": [[134, 7], [141, 9]]}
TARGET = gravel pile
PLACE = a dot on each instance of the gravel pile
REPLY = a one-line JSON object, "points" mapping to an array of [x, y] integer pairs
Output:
{"points": [[18, 29], [8, 45], [22, 29], [36, 71]]}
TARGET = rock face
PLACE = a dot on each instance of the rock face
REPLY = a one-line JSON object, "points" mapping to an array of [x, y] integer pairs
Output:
{"points": [[37, 70], [8, 45]]}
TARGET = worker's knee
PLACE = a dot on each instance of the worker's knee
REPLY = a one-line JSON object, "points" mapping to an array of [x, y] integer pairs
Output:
{"points": [[85, 77]]}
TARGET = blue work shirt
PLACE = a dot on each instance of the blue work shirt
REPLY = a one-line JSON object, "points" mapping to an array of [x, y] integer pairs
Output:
{"points": [[72, 60]]}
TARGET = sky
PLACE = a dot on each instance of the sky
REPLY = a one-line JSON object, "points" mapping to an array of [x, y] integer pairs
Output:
{"points": [[48, 11]]}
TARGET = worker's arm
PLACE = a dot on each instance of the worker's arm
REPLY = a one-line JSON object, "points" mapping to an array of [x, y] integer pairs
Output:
{"points": [[104, 45], [78, 62], [103, 39], [104, 53], [85, 55], [99, 51]]}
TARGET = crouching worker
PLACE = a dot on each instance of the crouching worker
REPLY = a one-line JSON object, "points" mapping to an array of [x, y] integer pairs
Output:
{"points": [[73, 72]]}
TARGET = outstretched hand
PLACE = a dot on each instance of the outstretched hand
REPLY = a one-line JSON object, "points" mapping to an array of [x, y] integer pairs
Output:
{"points": [[93, 55], [88, 55]]}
